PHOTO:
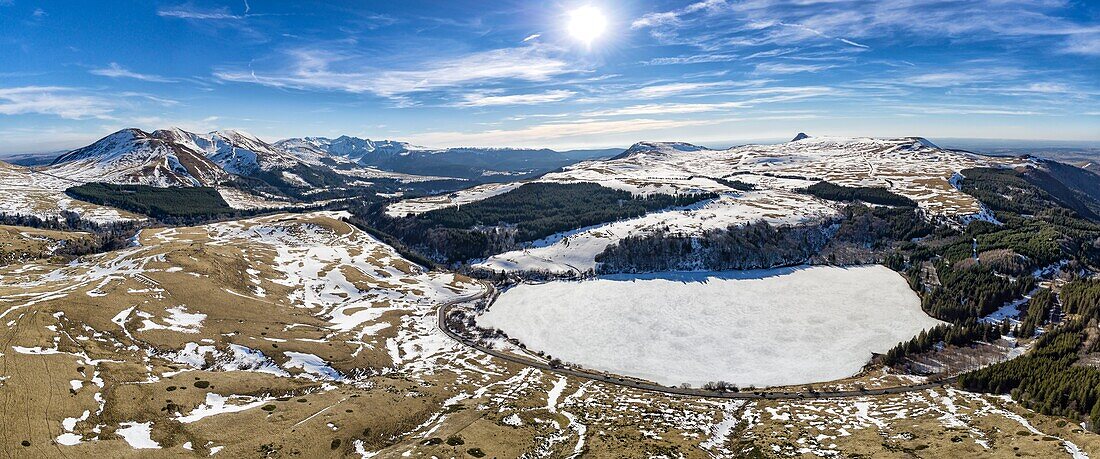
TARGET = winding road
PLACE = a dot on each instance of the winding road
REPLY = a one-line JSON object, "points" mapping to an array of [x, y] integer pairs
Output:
{"points": [[445, 309]]}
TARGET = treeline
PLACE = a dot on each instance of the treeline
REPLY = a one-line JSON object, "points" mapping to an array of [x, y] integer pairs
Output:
{"points": [[504, 222], [735, 184], [391, 241], [1041, 242], [881, 226], [1046, 379], [1046, 219], [861, 234], [970, 293], [103, 236], [949, 334], [750, 246], [872, 195], [156, 202], [65, 221], [180, 206], [873, 235], [1039, 311], [1045, 222], [538, 210], [1031, 191], [1081, 297], [959, 289]]}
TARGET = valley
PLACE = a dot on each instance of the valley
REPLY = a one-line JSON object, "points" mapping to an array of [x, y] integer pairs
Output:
{"points": [[670, 302], [674, 229]]}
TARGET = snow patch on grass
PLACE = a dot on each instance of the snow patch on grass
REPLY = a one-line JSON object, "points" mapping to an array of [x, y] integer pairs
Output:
{"points": [[137, 434], [312, 365], [216, 404]]}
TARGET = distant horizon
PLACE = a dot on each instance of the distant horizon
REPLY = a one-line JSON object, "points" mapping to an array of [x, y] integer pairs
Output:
{"points": [[943, 142]]}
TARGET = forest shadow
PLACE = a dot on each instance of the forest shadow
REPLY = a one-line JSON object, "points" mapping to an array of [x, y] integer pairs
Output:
{"points": [[705, 276]]}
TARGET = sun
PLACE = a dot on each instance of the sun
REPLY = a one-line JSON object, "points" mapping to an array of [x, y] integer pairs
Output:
{"points": [[586, 24]]}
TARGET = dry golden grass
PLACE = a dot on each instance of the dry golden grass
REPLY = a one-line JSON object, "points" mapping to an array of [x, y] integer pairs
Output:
{"points": [[71, 326], [19, 244]]}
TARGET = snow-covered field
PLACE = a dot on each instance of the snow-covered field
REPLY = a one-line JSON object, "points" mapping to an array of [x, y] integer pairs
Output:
{"points": [[577, 250], [416, 206], [307, 330], [766, 327], [238, 199], [910, 166], [27, 192]]}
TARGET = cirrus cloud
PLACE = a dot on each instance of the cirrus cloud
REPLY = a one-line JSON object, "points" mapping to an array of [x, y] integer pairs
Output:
{"points": [[113, 70], [316, 69], [487, 99], [551, 132], [62, 102]]}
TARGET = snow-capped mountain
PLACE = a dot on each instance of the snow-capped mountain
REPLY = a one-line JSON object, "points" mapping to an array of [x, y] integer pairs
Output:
{"points": [[651, 147], [133, 156], [174, 157], [292, 167], [467, 162], [235, 152], [343, 148]]}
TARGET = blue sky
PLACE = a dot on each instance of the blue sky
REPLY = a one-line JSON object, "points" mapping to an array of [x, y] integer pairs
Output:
{"points": [[510, 73]]}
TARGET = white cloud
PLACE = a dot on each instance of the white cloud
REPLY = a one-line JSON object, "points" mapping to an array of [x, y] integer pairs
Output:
{"points": [[850, 42], [939, 79], [160, 100], [532, 37], [965, 110], [323, 70], [673, 17], [666, 109], [693, 59], [51, 100], [151, 123], [769, 96], [718, 26], [46, 138], [1088, 45], [783, 68], [190, 12], [117, 71], [676, 89], [1048, 88], [771, 53], [550, 132], [486, 99]]}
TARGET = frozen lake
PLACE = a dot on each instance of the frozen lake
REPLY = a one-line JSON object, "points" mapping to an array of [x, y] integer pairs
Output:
{"points": [[764, 327]]}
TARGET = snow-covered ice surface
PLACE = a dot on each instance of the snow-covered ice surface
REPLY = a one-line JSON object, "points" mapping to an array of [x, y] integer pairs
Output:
{"points": [[765, 327]]}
